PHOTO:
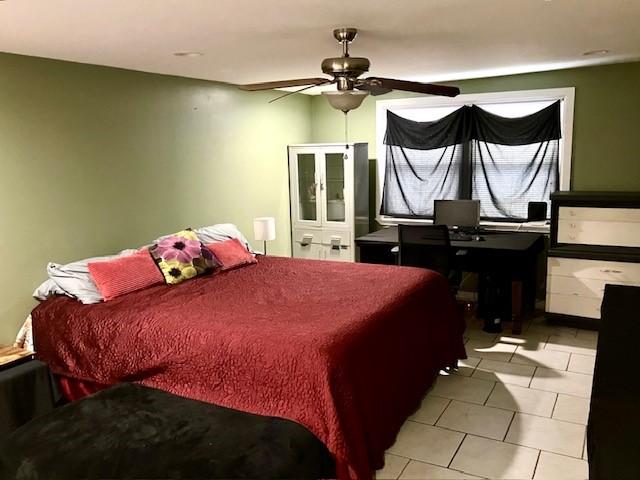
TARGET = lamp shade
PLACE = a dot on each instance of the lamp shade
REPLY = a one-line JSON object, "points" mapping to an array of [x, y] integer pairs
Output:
{"points": [[346, 100], [264, 228]]}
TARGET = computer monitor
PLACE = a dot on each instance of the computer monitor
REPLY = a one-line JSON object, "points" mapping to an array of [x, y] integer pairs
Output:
{"points": [[463, 214]]}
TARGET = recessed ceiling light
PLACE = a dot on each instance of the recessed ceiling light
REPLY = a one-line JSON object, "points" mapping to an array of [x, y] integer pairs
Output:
{"points": [[595, 52], [188, 54]]}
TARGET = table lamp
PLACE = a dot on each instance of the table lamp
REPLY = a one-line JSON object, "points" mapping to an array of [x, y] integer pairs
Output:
{"points": [[264, 228]]}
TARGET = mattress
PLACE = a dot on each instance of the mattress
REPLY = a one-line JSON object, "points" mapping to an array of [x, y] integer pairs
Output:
{"points": [[346, 350]]}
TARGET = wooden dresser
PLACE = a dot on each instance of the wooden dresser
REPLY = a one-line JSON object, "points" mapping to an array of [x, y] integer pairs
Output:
{"points": [[595, 240]]}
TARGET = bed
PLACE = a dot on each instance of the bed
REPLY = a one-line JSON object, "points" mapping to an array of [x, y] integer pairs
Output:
{"points": [[346, 350]]}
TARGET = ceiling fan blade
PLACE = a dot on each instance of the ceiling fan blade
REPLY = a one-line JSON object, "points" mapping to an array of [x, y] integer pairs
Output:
{"points": [[374, 90], [300, 90], [417, 87], [300, 82]]}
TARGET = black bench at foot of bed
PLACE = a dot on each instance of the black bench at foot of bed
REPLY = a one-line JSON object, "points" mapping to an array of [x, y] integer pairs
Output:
{"points": [[130, 431]]}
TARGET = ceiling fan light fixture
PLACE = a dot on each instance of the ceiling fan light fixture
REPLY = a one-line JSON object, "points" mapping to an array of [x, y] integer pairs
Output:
{"points": [[345, 100]]}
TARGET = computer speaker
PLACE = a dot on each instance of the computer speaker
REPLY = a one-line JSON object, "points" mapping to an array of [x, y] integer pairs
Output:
{"points": [[537, 211]]}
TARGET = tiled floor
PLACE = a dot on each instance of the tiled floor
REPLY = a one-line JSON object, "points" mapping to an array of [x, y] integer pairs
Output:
{"points": [[516, 409]]}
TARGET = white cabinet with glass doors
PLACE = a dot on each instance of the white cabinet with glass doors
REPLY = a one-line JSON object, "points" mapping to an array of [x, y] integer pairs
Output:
{"points": [[329, 190]]}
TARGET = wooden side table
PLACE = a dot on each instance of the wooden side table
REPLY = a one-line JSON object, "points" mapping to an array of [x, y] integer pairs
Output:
{"points": [[26, 389]]}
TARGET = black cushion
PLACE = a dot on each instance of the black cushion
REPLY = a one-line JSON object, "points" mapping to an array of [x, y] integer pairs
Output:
{"points": [[130, 431]]}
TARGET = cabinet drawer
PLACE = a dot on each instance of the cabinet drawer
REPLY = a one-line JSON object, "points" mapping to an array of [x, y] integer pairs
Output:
{"points": [[582, 287], [306, 235], [338, 255], [600, 214], [311, 251], [344, 237], [590, 232], [573, 305], [614, 272]]}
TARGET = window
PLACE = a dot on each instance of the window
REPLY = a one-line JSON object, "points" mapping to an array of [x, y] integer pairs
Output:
{"points": [[503, 177]]}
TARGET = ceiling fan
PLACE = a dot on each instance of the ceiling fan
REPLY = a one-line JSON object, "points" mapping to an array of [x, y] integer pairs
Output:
{"points": [[345, 72]]}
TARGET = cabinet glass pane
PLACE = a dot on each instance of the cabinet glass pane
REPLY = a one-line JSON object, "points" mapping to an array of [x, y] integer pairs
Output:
{"points": [[335, 187], [307, 186]]}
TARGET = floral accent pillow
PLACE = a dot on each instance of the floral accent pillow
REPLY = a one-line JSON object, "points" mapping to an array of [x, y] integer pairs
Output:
{"points": [[182, 256]]}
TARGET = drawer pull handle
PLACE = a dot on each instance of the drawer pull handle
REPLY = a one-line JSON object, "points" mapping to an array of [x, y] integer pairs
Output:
{"points": [[575, 294], [608, 270], [572, 225], [572, 213]]}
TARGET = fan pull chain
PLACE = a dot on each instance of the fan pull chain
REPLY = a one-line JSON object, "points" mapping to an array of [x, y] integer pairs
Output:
{"points": [[346, 131]]}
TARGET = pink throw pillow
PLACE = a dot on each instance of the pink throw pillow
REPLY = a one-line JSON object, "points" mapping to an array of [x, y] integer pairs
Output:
{"points": [[125, 274], [231, 253]]}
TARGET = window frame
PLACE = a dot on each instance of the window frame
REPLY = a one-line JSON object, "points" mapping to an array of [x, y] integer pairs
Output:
{"points": [[565, 95]]}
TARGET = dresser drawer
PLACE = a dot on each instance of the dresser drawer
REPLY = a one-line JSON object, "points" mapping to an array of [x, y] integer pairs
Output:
{"points": [[344, 254], [598, 232], [600, 214], [343, 236], [573, 305], [582, 287], [614, 272], [310, 251], [307, 236]]}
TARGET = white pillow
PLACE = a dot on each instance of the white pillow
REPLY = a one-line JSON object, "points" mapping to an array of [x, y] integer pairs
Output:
{"points": [[75, 280], [220, 233], [47, 289], [217, 233]]}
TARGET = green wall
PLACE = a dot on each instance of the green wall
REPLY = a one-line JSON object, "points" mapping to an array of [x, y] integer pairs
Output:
{"points": [[605, 131], [97, 159]]}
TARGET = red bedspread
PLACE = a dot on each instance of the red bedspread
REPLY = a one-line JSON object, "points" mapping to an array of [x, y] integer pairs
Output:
{"points": [[347, 350]]}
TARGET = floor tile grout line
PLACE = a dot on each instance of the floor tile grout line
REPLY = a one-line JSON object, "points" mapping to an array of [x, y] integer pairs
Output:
{"points": [[519, 386], [489, 396], [508, 427], [498, 408], [535, 467], [535, 370], [404, 468], [442, 412], [425, 462], [457, 450], [454, 431], [555, 402], [544, 450]]}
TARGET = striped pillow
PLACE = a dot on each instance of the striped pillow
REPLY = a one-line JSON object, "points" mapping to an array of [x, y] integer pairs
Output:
{"points": [[126, 274]]}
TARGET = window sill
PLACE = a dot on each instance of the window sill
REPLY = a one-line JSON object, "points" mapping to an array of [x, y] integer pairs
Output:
{"points": [[536, 227]]}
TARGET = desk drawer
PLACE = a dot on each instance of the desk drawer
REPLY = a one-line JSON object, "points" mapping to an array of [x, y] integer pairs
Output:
{"points": [[614, 272], [573, 305], [590, 232]]}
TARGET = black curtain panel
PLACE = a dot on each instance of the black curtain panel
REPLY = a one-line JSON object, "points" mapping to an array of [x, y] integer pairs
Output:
{"points": [[471, 153]]}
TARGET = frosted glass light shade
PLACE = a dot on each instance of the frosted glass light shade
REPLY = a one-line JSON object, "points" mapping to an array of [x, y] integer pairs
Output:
{"points": [[346, 100], [264, 228]]}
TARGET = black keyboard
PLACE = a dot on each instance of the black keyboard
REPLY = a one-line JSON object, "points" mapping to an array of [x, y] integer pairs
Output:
{"points": [[460, 237]]}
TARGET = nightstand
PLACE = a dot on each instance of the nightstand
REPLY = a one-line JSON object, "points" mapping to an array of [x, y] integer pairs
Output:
{"points": [[26, 389]]}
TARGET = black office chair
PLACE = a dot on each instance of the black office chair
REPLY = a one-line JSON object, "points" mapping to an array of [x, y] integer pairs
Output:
{"points": [[427, 246]]}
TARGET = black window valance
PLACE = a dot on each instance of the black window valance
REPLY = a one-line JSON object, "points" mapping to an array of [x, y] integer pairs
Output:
{"points": [[473, 123]]}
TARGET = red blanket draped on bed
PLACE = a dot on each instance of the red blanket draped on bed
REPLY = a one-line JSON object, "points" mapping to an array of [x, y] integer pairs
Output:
{"points": [[347, 350]]}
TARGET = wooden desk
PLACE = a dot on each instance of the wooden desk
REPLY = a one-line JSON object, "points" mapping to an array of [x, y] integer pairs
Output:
{"points": [[512, 254]]}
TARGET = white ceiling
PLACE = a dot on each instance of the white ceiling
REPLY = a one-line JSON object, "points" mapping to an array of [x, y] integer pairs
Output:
{"points": [[259, 40]]}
